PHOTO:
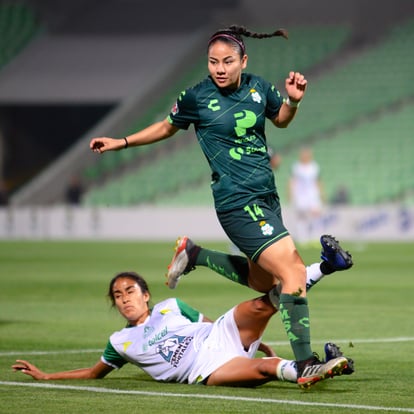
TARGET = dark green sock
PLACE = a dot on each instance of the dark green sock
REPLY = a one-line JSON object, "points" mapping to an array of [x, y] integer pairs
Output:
{"points": [[294, 312], [235, 268]]}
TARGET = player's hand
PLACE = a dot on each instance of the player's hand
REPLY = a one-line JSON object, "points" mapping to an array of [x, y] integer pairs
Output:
{"points": [[295, 86], [29, 369], [269, 352], [103, 144]]}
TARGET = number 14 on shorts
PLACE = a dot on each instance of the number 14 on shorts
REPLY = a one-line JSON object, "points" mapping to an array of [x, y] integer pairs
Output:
{"points": [[254, 211]]}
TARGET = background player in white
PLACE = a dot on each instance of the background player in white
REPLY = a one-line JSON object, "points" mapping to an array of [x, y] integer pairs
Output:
{"points": [[306, 196], [174, 342]]}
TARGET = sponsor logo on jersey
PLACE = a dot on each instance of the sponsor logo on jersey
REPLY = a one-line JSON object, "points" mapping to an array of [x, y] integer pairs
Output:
{"points": [[158, 336], [173, 348]]}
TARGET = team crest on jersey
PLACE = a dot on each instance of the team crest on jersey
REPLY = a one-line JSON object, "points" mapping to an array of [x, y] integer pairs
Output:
{"points": [[266, 228], [148, 330], [255, 96], [174, 109], [173, 348]]}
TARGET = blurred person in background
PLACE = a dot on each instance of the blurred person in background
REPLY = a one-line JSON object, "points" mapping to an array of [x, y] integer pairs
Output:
{"points": [[74, 191], [4, 193], [306, 197], [173, 342], [341, 195], [229, 109]]}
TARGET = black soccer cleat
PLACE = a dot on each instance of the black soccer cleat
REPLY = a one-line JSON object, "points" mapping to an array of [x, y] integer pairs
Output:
{"points": [[334, 351], [334, 254]]}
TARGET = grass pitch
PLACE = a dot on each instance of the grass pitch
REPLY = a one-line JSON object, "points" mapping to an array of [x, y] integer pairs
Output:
{"points": [[54, 313]]}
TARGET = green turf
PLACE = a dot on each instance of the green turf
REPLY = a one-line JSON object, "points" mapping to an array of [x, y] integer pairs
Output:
{"points": [[53, 299]]}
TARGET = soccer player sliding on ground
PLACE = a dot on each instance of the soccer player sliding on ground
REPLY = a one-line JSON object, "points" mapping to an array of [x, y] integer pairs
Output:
{"points": [[174, 342]]}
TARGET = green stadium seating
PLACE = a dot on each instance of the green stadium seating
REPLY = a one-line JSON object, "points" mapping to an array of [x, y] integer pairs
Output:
{"points": [[373, 159], [377, 78], [192, 169], [357, 117]]}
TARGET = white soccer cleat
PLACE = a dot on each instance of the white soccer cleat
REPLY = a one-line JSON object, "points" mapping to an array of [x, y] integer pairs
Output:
{"points": [[315, 370], [180, 263]]}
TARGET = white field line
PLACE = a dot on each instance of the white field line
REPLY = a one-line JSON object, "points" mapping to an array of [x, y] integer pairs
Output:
{"points": [[206, 396], [337, 341]]}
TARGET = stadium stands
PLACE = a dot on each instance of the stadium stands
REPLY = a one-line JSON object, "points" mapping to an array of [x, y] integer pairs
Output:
{"points": [[306, 37], [359, 121], [367, 83], [374, 159], [357, 103]]}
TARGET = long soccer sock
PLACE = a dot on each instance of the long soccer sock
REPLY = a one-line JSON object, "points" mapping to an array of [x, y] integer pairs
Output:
{"points": [[294, 312], [235, 268]]}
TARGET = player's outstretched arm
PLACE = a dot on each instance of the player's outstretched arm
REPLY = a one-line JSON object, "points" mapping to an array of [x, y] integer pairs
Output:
{"points": [[99, 370], [155, 132]]}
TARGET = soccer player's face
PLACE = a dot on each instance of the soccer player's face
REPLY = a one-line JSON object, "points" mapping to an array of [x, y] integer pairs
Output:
{"points": [[131, 303], [225, 65]]}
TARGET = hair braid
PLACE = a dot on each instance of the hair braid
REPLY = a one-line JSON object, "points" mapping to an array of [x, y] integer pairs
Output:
{"points": [[234, 35], [242, 31]]}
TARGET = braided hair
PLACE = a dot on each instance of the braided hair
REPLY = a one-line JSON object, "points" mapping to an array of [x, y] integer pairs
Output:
{"points": [[234, 35]]}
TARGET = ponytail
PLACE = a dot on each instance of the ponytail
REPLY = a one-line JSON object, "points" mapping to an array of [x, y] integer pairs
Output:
{"points": [[233, 34], [242, 31]]}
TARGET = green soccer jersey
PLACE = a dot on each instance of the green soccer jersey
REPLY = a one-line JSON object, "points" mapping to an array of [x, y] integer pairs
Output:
{"points": [[230, 128]]}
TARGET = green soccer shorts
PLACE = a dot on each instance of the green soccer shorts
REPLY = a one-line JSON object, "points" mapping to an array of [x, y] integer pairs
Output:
{"points": [[255, 226]]}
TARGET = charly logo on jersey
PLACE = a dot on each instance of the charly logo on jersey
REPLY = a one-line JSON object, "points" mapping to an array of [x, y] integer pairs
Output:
{"points": [[173, 348], [214, 105], [255, 96], [266, 228]]}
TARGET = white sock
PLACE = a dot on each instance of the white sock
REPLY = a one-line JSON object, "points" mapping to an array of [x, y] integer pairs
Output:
{"points": [[287, 371], [313, 275]]}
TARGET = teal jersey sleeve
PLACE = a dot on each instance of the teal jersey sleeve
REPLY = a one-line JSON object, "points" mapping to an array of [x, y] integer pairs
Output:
{"points": [[274, 102], [112, 358], [190, 313], [184, 112]]}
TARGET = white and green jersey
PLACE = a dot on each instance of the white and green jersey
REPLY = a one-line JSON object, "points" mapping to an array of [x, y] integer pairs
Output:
{"points": [[230, 128], [164, 346]]}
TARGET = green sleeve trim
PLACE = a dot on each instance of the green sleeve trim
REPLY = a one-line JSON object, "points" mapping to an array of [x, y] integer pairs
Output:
{"points": [[112, 357], [189, 312]]}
